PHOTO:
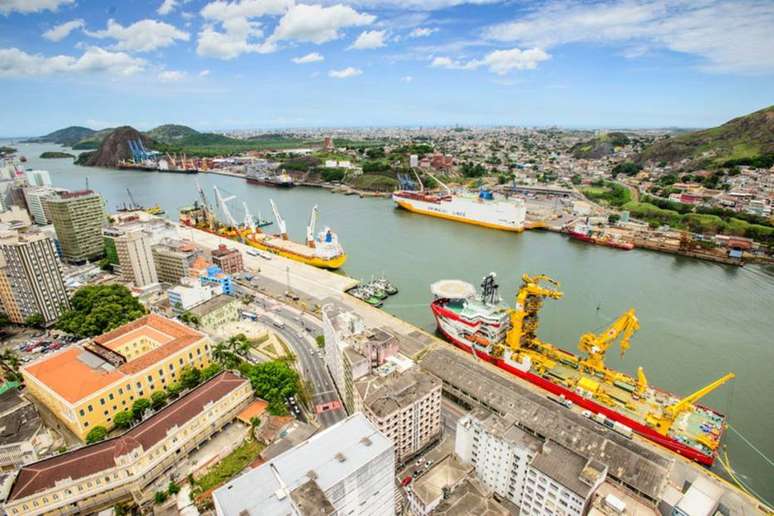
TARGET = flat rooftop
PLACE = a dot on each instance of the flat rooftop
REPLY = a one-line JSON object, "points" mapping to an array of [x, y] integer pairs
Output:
{"points": [[564, 466], [95, 369], [444, 475], [470, 498], [89, 460], [384, 395], [327, 458], [212, 304], [634, 464]]}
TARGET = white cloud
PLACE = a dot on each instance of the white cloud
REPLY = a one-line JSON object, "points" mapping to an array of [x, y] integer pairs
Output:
{"points": [[314, 57], [204, 73], [422, 32], [63, 30], [142, 36], [15, 62], [318, 24], [31, 6], [500, 62], [729, 36], [406, 78], [166, 7], [171, 76], [369, 39], [413, 5], [345, 73], [222, 11]]}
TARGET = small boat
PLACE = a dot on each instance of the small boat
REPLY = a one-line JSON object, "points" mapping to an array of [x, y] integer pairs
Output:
{"points": [[155, 210]]}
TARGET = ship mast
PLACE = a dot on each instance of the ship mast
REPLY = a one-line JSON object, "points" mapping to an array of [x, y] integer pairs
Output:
{"points": [[280, 221]]}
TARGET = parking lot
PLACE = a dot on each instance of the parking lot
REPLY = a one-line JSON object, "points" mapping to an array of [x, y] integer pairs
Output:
{"points": [[31, 344]]}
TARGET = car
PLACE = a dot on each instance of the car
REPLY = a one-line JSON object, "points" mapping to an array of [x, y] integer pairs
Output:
{"points": [[428, 464], [406, 481]]}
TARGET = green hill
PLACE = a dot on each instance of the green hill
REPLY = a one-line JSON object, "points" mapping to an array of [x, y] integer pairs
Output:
{"points": [[740, 140], [68, 136], [599, 146], [93, 141], [171, 133]]}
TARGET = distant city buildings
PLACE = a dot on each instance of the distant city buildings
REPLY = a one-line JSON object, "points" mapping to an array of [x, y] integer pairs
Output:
{"points": [[87, 385], [96, 477], [31, 278], [346, 469], [78, 218]]}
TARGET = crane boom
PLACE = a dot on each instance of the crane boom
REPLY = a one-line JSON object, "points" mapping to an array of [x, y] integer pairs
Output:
{"points": [[672, 411], [595, 346], [529, 300], [311, 226], [224, 208], [280, 221], [249, 220], [134, 205]]}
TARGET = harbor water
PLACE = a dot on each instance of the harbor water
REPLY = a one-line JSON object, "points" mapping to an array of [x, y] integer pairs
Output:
{"points": [[698, 320]]}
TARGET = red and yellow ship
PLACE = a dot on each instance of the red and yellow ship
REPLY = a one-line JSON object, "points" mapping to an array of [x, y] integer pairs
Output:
{"points": [[507, 337]]}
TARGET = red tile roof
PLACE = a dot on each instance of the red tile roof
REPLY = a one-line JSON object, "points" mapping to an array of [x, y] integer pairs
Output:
{"points": [[39, 476]]}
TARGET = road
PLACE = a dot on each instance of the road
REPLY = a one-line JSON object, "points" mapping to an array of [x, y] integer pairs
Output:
{"points": [[299, 333]]}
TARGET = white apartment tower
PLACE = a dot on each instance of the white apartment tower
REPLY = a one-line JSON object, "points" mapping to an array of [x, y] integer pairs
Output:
{"points": [[136, 257]]}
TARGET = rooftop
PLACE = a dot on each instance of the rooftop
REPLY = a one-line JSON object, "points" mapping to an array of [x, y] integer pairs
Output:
{"points": [[470, 498], [95, 372], [383, 395], [212, 304], [39, 476], [565, 466], [445, 475], [327, 458], [642, 468]]}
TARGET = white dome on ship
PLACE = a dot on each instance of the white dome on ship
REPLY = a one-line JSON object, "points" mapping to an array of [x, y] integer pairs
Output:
{"points": [[453, 289]]}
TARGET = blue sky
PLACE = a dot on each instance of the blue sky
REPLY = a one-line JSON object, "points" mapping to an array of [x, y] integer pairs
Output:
{"points": [[315, 63]]}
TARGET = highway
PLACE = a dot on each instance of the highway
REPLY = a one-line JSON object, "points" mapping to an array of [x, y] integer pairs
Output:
{"points": [[299, 333]]}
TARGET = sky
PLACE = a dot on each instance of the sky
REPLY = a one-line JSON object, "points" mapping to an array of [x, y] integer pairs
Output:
{"points": [[243, 64]]}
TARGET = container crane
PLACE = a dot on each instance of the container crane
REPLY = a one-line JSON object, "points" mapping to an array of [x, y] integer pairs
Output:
{"points": [[280, 221], [596, 345], [664, 422], [310, 228]]}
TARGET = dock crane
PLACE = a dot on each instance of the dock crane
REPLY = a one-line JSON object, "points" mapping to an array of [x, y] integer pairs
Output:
{"points": [[529, 300], [208, 214], [310, 228], [224, 208], [280, 221], [664, 422], [596, 345], [249, 220], [133, 204]]}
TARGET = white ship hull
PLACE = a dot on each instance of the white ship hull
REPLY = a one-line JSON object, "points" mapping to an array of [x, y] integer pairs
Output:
{"points": [[505, 215]]}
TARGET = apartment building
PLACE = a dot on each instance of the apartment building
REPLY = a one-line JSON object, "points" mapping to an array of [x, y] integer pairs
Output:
{"points": [[95, 477], [404, 406], [173, 260], [113, 370], [135, 257], [78, 218], [30, 278], [229, 260], [35, 197], [348, 468], [353, 351], [499, 451]]}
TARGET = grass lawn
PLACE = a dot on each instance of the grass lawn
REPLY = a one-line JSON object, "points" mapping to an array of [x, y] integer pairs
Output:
{"points": [[230, 466]]}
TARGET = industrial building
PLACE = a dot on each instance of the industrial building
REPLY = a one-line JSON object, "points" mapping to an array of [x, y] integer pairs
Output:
{"points": [[348, 468]]}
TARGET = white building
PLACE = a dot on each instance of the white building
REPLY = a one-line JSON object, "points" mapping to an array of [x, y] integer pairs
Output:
{"points": [[38, 177], [347, 469], [413, 161], [499, 451], [191, 293], [560, 482], [34, 196], [136, 257]]}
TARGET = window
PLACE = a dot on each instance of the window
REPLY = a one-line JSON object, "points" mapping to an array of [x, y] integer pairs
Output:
{"points": [[82, 412], [102, 401], [111, 396], [91, 409]]}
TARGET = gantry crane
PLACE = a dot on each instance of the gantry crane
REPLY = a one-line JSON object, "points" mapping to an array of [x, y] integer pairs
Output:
{"points": [[663, 422], [596, 345]]}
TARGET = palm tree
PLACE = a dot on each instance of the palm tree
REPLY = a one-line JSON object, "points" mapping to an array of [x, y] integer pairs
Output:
{"points": [[239, 344]]}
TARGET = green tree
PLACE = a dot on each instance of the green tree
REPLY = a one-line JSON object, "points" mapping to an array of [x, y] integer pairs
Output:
{"points": [[35, 321], [189, 318], [190, 377], [210, 371], [123, 419], [139, 407], [274, 381], [158, 399], [4, 320], [96, 309], [174, 390], [9, 363], [173, 488], [320, 339], [160, 497], [96, 434]]}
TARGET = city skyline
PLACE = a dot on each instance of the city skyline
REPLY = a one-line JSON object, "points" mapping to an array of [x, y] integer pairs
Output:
{"points": [[360, 63]]}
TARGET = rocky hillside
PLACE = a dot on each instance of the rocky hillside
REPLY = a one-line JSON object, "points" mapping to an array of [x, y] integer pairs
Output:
{"points": [[68, 136], [114, 148], [599, 146], [747, 137], [171, 133]]}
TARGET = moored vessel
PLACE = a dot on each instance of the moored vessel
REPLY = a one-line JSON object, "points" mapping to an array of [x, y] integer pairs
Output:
{"points": [[585, 233], [482, 325]]}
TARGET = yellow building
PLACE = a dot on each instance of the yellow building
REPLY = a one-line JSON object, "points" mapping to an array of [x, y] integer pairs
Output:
{"points": [[88, 384]]}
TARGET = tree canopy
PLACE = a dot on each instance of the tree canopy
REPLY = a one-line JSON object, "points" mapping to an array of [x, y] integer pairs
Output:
{"points": [[96, 309], [96, 434], [274, 381]]}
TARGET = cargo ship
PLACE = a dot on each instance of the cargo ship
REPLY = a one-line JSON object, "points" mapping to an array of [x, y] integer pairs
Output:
{"points": [[585, 233], [322, 250], [480, 210], [265, 175], [481, 324]]}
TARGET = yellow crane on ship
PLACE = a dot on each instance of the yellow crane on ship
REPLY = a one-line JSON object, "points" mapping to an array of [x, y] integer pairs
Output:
{"points": [[596, 345]]}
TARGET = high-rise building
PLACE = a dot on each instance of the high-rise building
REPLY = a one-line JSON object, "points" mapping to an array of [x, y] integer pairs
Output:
{"points": [[31, 278], [348, 468], [229, 260], [38, 177], [88, 384], [404, 406], [78, 218], [35, 197], [135, 257]]}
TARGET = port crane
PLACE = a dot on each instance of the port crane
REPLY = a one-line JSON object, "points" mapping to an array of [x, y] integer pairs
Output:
{"points": [[210, 221], [249, 220], [133, 204], [596, 345], [310, 228], [280, 221], [224, 208], [529, 300]]}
